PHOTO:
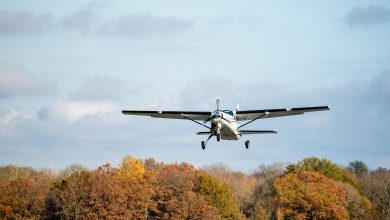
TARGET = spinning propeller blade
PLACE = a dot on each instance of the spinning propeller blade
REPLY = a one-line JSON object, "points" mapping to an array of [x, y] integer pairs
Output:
{"points": [[217, 101]]}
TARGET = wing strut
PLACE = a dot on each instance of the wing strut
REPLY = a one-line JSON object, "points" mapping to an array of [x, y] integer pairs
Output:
{"points": [[261, 116], [184, 116]]}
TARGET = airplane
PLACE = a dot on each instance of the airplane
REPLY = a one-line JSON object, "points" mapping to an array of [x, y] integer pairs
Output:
{"points": [[224, 123]]}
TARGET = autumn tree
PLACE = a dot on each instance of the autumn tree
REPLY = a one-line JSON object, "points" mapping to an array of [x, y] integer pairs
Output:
{"points": [[107, 192], [23, 197], [23, 192], [174, 194], [242, 185], [309, 195], [219, 195]]}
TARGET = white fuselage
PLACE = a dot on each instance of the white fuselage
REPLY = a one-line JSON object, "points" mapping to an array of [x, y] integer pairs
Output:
{"points": [[224, 122]]}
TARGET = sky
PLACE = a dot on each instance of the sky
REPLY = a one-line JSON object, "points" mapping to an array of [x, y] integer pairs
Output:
{"points": [[68, 69]]}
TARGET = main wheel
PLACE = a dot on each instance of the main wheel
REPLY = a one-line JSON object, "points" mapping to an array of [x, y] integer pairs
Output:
{"points": [[203, 145], [218, 137], [247, 144]]}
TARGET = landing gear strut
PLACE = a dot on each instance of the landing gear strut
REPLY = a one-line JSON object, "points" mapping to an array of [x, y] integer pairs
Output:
{"points": [[247, 144], [205, 142]]}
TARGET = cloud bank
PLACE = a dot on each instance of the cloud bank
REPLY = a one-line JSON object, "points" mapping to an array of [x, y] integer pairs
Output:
{"points": [[368, 16], [90, 19], [137, 24], [24, 22]]}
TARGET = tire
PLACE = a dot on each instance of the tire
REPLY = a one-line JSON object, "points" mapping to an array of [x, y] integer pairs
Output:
{"points": [[203, 145], [247, 144]]}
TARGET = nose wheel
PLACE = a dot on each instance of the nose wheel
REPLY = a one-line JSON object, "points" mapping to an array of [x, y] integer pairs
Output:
{"points": [[247, 144], [218, 137], [203, 145]]}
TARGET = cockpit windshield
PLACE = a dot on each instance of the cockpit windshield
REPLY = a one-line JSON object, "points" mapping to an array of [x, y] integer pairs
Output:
{"points": [[229, 112]]}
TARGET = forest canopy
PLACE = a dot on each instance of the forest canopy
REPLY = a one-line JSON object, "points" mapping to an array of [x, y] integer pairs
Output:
{"points": [[312, 188]]}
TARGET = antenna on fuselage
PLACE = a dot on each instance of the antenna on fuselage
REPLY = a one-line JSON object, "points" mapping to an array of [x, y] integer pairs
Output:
{"points": [[217, 102]]}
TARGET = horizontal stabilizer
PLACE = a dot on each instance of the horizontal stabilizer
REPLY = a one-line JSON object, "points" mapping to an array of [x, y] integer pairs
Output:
{"points": [[257, 132], [205, 133]]}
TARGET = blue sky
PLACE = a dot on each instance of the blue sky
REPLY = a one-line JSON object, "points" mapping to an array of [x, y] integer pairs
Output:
{"points": [[67, 69]]}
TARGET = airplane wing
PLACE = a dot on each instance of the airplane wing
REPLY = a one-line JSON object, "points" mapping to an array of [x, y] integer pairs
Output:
{"points": [[270, 113], [194, 115]]}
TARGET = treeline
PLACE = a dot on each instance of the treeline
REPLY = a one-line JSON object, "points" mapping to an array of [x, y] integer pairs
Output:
{"points": [[145, 189]]}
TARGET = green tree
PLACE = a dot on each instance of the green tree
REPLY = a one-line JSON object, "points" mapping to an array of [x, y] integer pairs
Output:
{"points": [[323, 166], [358, 167]]}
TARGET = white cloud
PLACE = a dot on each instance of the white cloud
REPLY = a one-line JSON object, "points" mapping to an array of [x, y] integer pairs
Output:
{"points": [[75, 110]]}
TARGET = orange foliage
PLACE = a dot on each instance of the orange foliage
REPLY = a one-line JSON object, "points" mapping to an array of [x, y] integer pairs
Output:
{"points": [[310, 195], [175, 197], [101, 194], [23, 197]]}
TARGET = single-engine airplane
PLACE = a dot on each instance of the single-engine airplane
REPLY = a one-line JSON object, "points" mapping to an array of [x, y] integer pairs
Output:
{"points": [[224, 123]]}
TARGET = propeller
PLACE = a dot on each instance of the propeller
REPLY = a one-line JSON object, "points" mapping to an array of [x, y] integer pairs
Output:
{"points": [[217, 101]]}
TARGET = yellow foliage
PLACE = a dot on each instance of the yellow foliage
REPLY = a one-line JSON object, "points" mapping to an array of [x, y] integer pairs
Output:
{"points": [[132, 168]]}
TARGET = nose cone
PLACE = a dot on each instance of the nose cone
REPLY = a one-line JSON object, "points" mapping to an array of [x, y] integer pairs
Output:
{"points": [[215, 120]]}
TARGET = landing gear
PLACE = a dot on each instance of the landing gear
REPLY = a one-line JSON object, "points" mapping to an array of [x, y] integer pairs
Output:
{"points": [[205, 142], [247, 144], [218, 137]]}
